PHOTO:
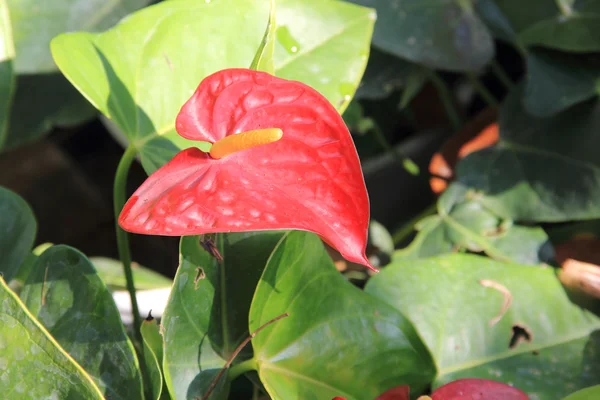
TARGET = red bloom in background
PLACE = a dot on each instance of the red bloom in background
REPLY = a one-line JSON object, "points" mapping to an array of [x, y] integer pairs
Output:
{"points": [[300, 170], [461, 389]]}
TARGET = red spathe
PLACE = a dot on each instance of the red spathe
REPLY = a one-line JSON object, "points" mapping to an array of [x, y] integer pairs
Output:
{"points": [[310, 179]]}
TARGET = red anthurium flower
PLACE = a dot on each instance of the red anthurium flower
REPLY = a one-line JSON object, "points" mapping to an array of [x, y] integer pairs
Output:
{"points": [[282, 158], [462, 389]]}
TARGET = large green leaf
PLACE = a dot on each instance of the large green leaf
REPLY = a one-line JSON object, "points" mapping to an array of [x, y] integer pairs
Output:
{"points": [[585, 394], [205, 318], [141, 72], [325, 44], [440, 34], [18, 228], [336, 341], [542, 169], [563, 25], [7, 78], [556, 81], [37, 22], [505, 322], [465, 224], [33, 365], [42, 102], [70, 300]]}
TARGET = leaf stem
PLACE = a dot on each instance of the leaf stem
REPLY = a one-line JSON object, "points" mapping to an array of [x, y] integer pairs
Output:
{"points": [[407, 163], [446, 99], [502, 76], [123, 238], [480, 88], [233, 355], [407, 228], [243, 367]]}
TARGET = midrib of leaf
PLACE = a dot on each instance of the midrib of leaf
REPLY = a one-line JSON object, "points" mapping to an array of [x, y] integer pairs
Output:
{"points": [[524, 349], [268, 366], [516, 147]]}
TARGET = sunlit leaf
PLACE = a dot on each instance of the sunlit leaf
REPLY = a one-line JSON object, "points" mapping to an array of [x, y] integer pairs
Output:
{"points": [[206, 317], [27, 348], [325, 44], [71, 302], [505, 322], [320, 350]]}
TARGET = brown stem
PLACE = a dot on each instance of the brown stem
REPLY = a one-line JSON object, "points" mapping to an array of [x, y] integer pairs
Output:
{"points": [[233, 355]]}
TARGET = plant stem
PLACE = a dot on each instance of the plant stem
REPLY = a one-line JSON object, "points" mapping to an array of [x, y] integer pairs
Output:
{"points": [[233, 355], [447, 101], [407, 228], [501, 75], [243, 367], [409, 165], [480, 88], [123, 239]]}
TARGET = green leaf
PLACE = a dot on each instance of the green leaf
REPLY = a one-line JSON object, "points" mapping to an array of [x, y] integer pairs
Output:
{"points": [[19, 227], [542, 169], [36, 23], [33, 365], [463, 223], [556, 81], [386, 73], [585, 394], [336, 341], [469, 309], [153, 354], [440, 34], [325, 44], [111, 273], [141, 72], [563, 25], [263, 60], [7, 78], [576, 32], [42, 102], [205, 318], [70, 300]]}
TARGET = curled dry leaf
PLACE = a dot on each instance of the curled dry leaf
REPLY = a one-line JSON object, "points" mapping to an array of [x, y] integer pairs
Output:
{"points": [[309, 178], [480, 133], [506, 301]]}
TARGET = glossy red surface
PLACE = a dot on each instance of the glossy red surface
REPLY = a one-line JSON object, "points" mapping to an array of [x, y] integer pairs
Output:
{"points": [[309, 180]]}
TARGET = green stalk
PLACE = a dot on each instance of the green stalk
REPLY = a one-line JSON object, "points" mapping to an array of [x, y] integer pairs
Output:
{"points": [[123, 239], [480, 88], [409, 165], [501, 75], [447, 101], [409, 227], [241, 368]]}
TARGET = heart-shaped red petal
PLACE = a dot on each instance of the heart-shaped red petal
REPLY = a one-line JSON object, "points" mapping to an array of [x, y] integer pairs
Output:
{"points": [[396, 393], [309, 180], [478, 389]]}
